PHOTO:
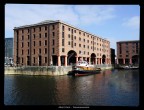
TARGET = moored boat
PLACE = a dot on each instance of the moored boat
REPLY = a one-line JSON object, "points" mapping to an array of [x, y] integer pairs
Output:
{"points": [[129, 67], [83, 68]]}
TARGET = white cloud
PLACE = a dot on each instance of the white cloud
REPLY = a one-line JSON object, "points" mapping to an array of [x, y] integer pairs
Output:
{"points": [[24, 14], [133, 22]]}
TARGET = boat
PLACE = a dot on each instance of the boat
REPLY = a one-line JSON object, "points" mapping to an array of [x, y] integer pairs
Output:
{"points": [[83, 68], [129, 67]]}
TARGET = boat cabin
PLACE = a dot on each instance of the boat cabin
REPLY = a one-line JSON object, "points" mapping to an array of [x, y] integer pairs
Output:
{"points": [[82, 63]]}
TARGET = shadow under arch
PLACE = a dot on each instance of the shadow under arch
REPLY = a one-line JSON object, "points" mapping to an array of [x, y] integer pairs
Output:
{"points": [[71, 57], [103, 59], [93, 57]]}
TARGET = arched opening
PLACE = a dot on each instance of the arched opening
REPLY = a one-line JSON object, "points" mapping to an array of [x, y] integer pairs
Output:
{"points": [[93, 57], [135, 59], [71, 57], [103, 59]]}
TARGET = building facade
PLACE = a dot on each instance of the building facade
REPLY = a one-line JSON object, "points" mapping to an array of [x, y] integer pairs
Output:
{"points": [[112, 56], [128, 52], [9, 47], [58, 43]]}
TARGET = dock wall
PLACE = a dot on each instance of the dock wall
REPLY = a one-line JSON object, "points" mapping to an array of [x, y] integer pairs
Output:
{"points": [[45, 70]]}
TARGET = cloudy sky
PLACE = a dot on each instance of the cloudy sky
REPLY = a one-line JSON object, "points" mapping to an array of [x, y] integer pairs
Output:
{"points": [[113, 22]]}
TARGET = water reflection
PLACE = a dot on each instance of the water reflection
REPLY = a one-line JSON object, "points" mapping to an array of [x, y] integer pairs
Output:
{"points": [[109, 88]]}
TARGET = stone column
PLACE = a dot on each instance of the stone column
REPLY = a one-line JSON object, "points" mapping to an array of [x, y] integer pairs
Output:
{"points": [[130, 61], [96, 61], [76, 58], [123, 61], [89, 60], [117, 61], [65, 60], [59, 61], [101, 60]]}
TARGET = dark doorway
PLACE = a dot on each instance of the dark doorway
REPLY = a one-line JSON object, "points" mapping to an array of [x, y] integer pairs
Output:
{"points": [[55, 60], [120, 61], [135, 59], [40, 60], [93, 56], [103, 59], [28, 60]]}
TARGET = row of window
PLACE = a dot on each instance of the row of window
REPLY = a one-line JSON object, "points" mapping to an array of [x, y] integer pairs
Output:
{"points": [[53, 51], [40, 28], [34, 43], [34, 60], [84, 34]]}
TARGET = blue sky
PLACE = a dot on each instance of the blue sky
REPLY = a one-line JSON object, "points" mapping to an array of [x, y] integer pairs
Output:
{"points": [[113, 22]]}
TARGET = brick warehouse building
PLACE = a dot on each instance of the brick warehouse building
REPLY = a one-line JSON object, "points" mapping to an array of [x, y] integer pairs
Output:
{"points": [[57, 43], [128, 52]]}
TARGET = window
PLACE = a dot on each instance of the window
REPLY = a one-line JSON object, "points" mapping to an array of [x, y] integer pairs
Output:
{"points": [[84, 46], [28, 44], [39, 43], [62, 42], [34, 36], [62, 34], [28, 30], [45, 50], [22, 52], [53, 26], [39, 35], [63, 28], [33, 29], [69, 29], [88, 47], [28, 51], [62, 49], [87, 41], [22, 45], [69, 43], [22, 37], [34, 43], [53, 34], [88, 53], [72, 31], [84, 34], [84, 40], [39, 28], [53, 42], [45, 27], [74, 44], [120, 55], [79, 39], [45, 34], [74, 37], [39, 51], [45, 59], [79, 52], [68, 35], [126, 55], [53, 50], [84, 52], [33, 51], [33, 59], [22, 31], [79, 32], [79, 45], [22, 59], [45, 43], [75, 31]]}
